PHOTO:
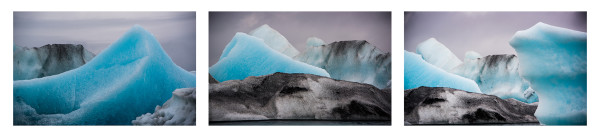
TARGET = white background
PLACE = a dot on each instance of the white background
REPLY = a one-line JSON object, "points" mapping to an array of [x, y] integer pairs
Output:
{"points": [[202, 7]]}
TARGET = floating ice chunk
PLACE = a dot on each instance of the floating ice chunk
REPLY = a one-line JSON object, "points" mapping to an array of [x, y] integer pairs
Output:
{"points": [[356, 61], [179, 110], [274, 40], [129, 78], [496, 75], [417, 73], [246, 55], [314, 41], [554, 61], [437, 54], [47, 60]]}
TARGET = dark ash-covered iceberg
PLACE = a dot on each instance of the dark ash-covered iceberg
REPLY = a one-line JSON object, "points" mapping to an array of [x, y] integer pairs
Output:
{"points": [[353, 60], [283, 96], [48, 60], [440, 105]]}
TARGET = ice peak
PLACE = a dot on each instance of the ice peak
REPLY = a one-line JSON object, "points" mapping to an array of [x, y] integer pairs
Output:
{"points": [[314, 41], [274, 40], [432, 40], [438, 54], [264, 26], [135, 44], [470, 55]]}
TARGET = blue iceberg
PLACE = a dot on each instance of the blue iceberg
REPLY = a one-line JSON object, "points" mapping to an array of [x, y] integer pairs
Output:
{"points": [[494, 74], [247, 55], [129, 78], [417, 73], [554, 61]]}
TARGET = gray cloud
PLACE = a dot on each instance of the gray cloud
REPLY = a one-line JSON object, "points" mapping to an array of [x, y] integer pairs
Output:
{"points": [[176, 31], [484, 32], [374, 27]]}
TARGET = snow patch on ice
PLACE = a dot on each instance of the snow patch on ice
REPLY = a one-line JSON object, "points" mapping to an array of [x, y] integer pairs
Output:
{"points": [[437, 54], [274, 40], [314, 41], [179, 110]]}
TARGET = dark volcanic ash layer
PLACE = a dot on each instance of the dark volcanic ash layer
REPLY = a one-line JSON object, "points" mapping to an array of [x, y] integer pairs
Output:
{"points": [[440, 105], [48, 60], [282, 96]]}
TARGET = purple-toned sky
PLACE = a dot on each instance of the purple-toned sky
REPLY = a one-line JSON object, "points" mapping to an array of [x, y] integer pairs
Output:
{"points": [[176, 31], [375, 27], [484, 32]]}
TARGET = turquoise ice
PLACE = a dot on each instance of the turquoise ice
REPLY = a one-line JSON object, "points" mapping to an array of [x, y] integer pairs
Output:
{"points": [[247, 55], [417, 72], [129, 78], [494, 74], [554, 61]]}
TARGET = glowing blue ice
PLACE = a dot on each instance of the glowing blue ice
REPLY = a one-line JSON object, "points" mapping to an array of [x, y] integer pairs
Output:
{"points": [[494, 74], [417, 72], [247, 55], [129, 78], [554, 61]]}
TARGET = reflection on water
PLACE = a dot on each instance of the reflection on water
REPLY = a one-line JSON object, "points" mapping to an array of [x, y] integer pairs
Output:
{"points": [[492, 124], [302, 123]]}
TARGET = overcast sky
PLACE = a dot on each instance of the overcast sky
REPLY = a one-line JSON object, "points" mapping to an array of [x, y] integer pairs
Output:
{"points": [[484, 32], [375, 27], [176, 31]]}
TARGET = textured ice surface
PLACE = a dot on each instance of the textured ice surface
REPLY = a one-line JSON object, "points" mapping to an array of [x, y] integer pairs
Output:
{"points": [[314, 41], [247, 55], [37, 62], [417, 73], [297, 96], [356, 61], [437, 105], [437, 54], [179, 110], [554, 61], [496, 75], [129, 78], [274, 40]]}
